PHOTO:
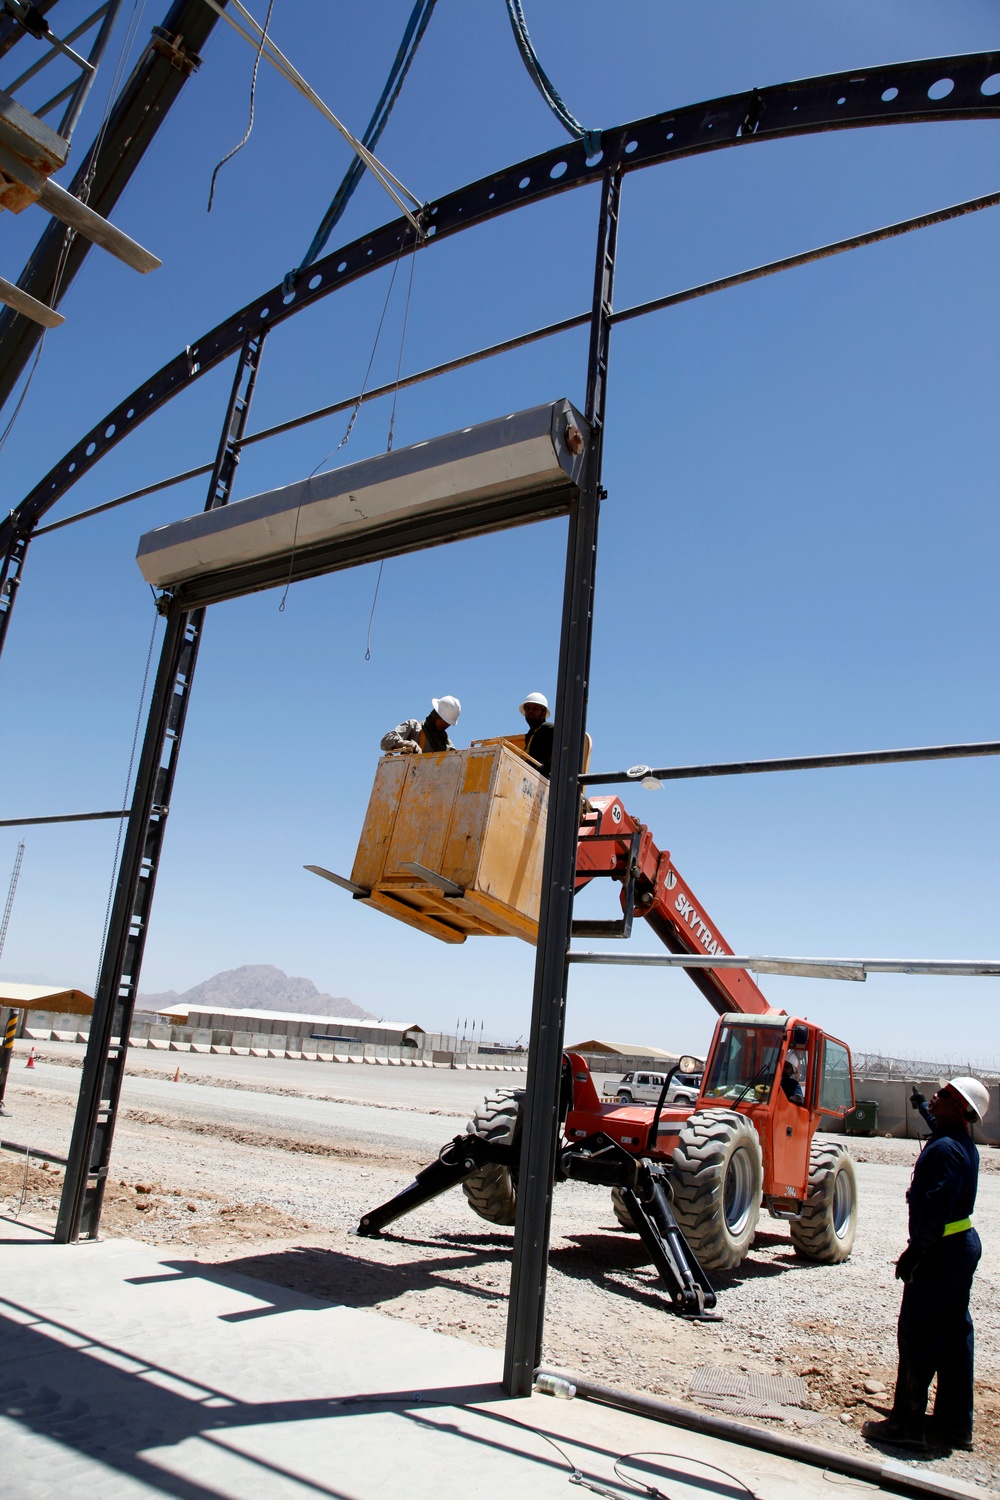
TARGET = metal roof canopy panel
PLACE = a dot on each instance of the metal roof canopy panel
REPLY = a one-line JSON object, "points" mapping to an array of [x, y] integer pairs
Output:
{"points": [[529, 453], [63, 999]]}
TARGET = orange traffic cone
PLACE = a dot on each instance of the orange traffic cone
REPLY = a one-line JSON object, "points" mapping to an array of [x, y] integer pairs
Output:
{"points": [[177, 1074], [31, 1059]]}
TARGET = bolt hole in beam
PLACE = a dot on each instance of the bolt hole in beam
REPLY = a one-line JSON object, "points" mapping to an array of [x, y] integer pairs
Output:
{"points": [[784, 110]]}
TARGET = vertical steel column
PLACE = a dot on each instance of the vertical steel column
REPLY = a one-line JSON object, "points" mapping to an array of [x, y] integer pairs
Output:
{"points": [[526, 1313], [6, 1048], [104, 1064], [10, 579]]}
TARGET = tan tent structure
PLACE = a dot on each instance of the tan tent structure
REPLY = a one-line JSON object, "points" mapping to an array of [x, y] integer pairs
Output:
{"points": [[62, 1000]]}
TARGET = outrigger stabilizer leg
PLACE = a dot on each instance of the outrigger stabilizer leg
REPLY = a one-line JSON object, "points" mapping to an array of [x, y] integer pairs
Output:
{"points": [[644, 1187], [598, 1160], [462, 1155]]}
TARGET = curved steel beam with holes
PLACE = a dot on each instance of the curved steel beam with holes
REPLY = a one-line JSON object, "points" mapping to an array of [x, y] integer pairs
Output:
{"points": [[945, 88]]}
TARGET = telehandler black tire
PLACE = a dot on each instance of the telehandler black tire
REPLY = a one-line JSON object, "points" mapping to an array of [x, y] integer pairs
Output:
{"points": [[492, 1190], [717, 1179], [825, 1229], [621, 1212]]}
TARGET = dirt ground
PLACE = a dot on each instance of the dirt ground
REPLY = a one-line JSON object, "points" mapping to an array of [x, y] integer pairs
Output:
{"points": [[281, 1208]]}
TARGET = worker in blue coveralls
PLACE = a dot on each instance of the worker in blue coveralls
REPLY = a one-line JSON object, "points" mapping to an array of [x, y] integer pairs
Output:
{"points": [[934, 1334]]}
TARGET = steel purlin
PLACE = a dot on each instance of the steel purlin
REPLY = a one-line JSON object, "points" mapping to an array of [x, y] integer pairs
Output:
{"points": [[852, 99]]}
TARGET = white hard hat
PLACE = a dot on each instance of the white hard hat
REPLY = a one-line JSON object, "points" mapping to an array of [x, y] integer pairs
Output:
{"points": [[975, 1094], [448, 708], [538, 698]]}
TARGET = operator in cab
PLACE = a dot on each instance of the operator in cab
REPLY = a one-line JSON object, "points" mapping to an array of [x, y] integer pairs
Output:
{"points": [[538, 742], [934, 1333], [414, 736], [791, 1087]]}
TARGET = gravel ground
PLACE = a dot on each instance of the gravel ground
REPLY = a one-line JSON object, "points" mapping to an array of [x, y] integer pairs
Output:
{"points": [[270, 1177]]}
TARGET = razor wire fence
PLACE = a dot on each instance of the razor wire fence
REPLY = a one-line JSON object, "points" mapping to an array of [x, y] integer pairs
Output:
{"points": [[876, 1065]]}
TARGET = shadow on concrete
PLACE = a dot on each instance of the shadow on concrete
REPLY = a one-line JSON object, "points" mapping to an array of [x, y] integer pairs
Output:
{"points": [[113, 1408], [348, 1281], [110, 1407]]}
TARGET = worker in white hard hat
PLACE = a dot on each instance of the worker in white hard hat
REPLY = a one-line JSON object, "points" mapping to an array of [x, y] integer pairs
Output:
{"points": [[934, 1333], [539, 739], [414, 736]]}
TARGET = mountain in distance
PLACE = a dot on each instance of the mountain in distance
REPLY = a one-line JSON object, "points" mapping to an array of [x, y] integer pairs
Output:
{"points": [[258, 987]]}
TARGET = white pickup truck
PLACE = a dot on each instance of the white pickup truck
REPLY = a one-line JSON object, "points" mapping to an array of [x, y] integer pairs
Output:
{"points": [[644, 1088]]}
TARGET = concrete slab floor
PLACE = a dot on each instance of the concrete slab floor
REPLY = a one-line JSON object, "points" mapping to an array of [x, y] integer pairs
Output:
{"points": [[128, 1373]]}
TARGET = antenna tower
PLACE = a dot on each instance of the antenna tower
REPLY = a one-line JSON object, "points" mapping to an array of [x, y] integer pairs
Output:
{"points": [[5, 923]]}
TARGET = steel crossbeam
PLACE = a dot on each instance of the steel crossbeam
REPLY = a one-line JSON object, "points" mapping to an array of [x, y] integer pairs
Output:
{"points": [[900, 93]]}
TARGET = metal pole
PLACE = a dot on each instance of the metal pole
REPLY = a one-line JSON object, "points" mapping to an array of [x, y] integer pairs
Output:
{"points": [[526, 1313], [10, 1031], [795, 763], [104, 1064], [11, 570]]}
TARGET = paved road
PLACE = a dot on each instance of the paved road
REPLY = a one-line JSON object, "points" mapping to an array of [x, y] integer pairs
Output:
{"points": [[413, 1111], [422, 1088]]}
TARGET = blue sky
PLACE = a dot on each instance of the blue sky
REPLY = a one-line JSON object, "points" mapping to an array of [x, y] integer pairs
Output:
{"points": [[798, 552]]}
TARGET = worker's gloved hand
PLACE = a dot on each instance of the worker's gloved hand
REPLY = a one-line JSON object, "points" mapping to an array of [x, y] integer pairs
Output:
{"points": [[907, 1264], [410, 747], [916, 1098]]}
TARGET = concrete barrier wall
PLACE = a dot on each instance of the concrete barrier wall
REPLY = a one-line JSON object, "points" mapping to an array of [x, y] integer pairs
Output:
{"points": [[294, 1041], [896, 1118]]}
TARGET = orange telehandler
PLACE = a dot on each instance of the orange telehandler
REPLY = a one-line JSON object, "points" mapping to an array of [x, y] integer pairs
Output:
{"points": [[690, 1179]]}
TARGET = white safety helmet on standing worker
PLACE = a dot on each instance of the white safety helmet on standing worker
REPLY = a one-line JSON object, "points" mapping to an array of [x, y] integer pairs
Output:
{"points": [[538, 698], [975, 1094], [447, 709]]}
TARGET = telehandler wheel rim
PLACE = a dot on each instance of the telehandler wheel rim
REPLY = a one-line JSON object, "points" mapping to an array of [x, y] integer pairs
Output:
{"points": [[843, 1204], [739, 1198]]}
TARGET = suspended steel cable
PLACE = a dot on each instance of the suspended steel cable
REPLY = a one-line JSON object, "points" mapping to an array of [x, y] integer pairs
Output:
{"points": [[543, 83], [253, 96], [273, 54], [406, 52], [388, 444]]}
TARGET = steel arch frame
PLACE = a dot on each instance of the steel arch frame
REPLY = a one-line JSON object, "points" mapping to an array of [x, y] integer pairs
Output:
{"points": [[895, 94]]}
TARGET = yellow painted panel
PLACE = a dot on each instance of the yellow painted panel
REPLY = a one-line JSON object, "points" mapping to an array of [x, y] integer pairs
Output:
{"points": [[469, 817], [420, 831], [478, 770], [510, 869], [369, 862]]}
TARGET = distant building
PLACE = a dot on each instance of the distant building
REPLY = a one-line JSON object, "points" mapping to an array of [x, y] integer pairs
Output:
{"points": [[295, 1024], [610, 1057]]}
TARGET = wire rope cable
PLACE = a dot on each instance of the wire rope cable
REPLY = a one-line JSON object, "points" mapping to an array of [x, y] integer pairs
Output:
{"points": [[575, 1475], [388, 445], [253, 95], [350, 425], [406, 52], [657, 1494], [543, 83], [128, 785]]}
